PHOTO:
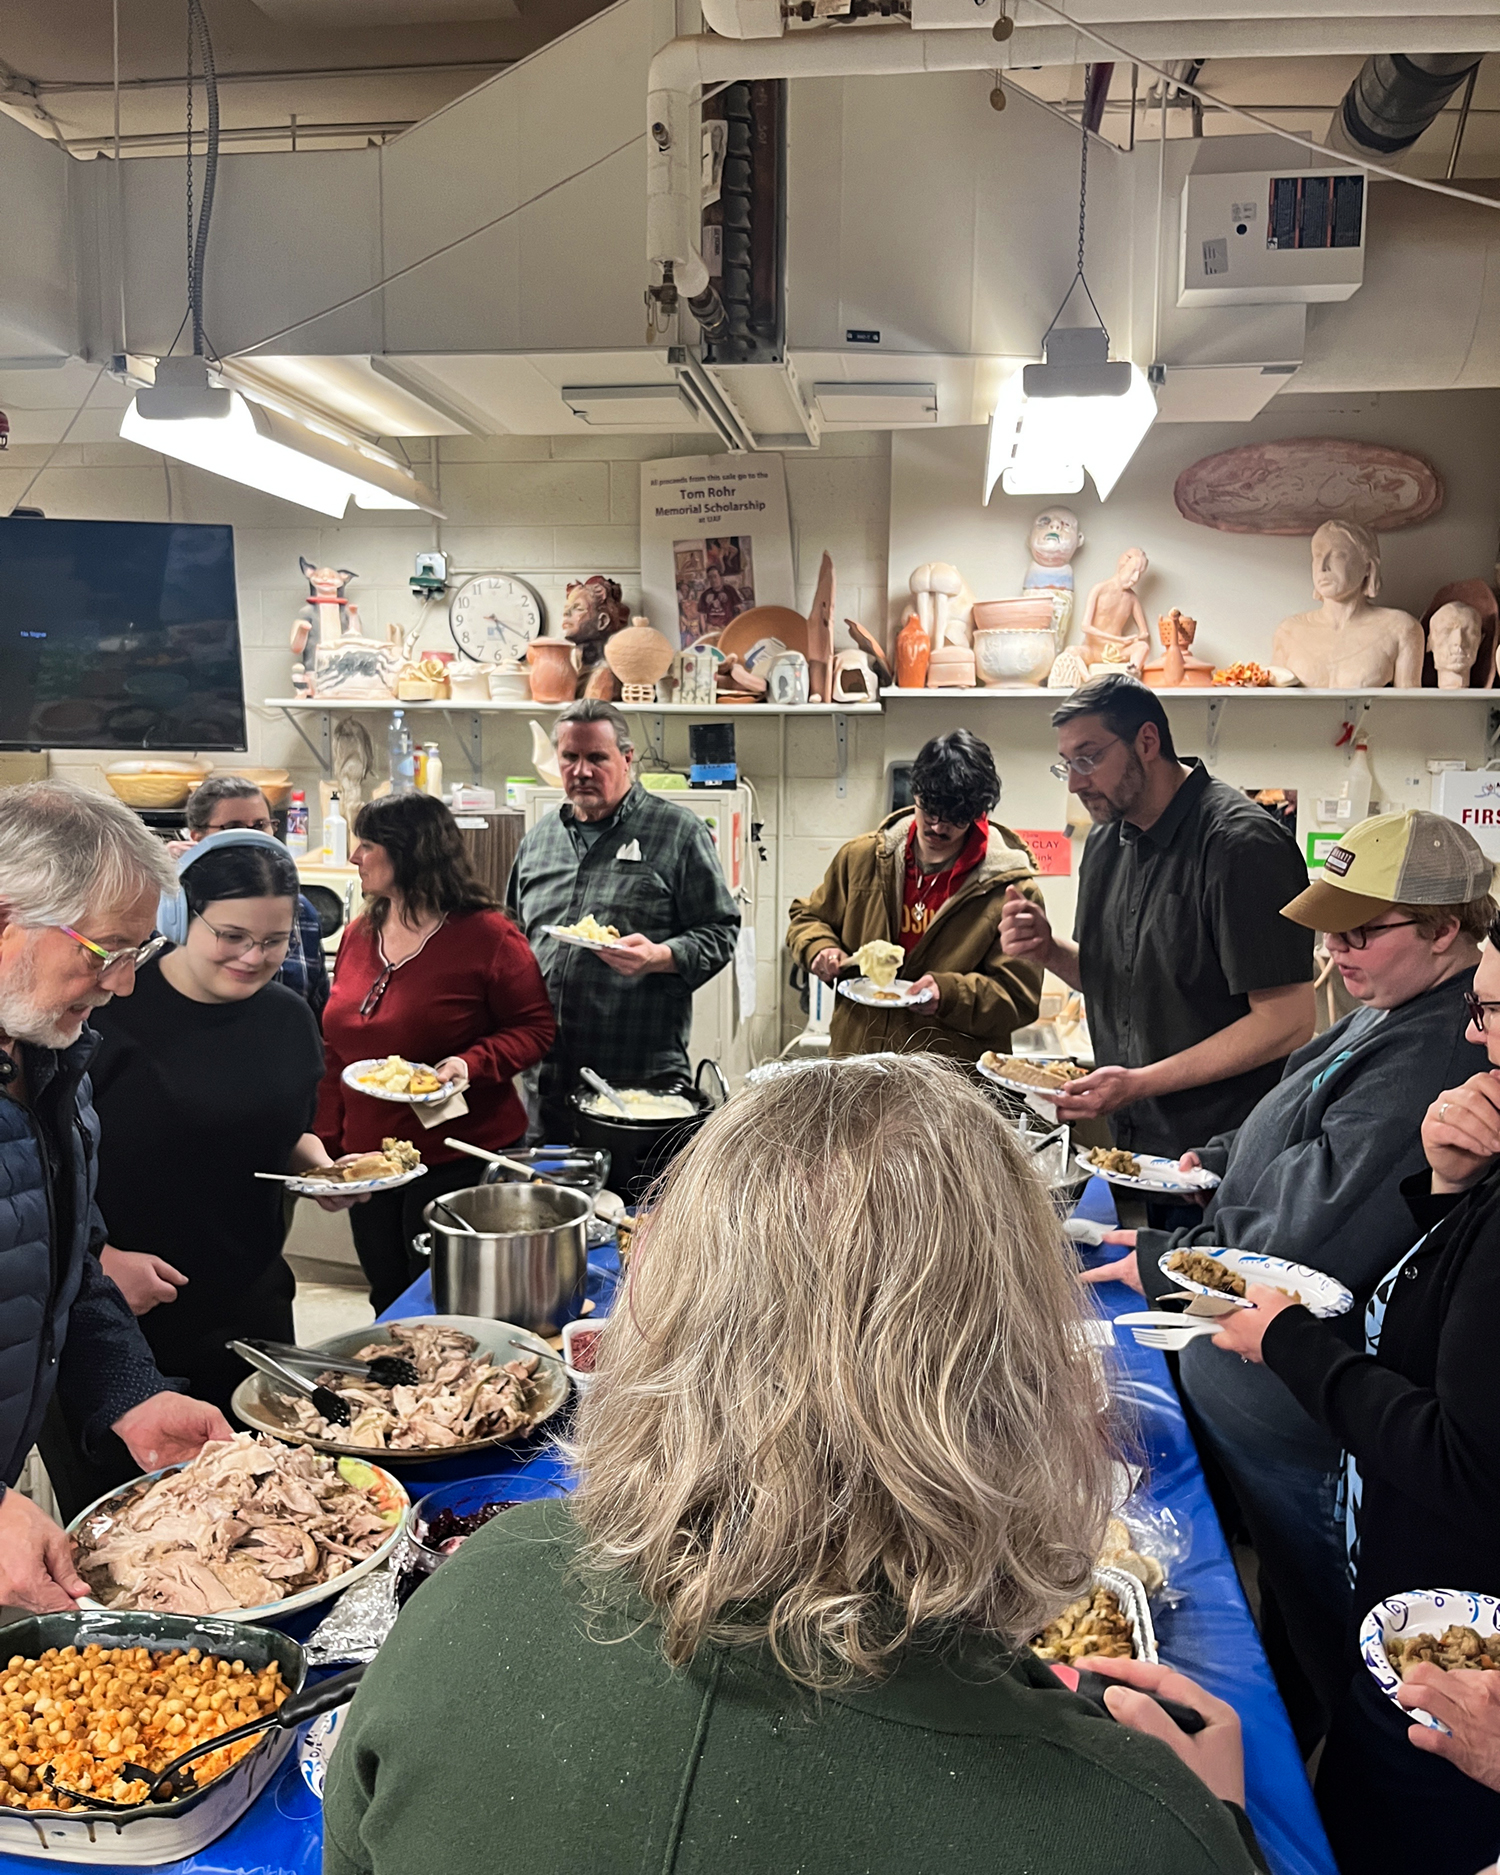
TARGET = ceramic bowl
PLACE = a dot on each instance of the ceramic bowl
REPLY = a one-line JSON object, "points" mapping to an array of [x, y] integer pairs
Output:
{"points": [[1011, 656], [1032, 613], [1421, 1611]]}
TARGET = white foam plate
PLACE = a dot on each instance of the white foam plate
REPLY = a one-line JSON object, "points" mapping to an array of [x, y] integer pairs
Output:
{"points": [[564, 936], [899, 996], [1157, 1174], [1024, 1087], [351, 1188], [1421, 1611], [1320, 1294], [351, 1074]]}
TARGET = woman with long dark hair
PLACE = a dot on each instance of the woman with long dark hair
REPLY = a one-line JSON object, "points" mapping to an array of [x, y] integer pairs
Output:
{"points": [[207, 1075], [434, 971]]}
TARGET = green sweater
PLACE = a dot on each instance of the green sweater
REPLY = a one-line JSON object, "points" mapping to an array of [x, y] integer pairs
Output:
{"points": [[496, 1731]]}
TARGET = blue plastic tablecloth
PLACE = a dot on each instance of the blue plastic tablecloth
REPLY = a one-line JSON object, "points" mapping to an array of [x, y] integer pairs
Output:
{"points": [[1208, 1635]]}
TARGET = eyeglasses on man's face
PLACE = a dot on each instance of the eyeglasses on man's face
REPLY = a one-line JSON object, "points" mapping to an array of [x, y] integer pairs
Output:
{"points": [[1082, 764], [229, 944], [103, 961], [1359, 937], [1477, 1009]]}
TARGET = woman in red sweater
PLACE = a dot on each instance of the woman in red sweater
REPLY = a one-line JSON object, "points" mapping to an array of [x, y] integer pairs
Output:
{"points": [[434, 971]]}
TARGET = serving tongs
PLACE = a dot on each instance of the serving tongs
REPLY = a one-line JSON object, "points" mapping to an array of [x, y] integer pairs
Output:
{"points": [[160, 1785], [324, 1399], [385, 1370]]}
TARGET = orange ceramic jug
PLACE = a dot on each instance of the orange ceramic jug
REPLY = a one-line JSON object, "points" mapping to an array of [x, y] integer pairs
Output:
{"points": [[913, 654]]}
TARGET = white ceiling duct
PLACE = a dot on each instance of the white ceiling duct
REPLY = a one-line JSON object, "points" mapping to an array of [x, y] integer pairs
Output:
{"points": [[363, 13]]}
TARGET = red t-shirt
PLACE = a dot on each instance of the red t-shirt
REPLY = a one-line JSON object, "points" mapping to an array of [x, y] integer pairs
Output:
{"points": [[473, 990], [925, 892]]}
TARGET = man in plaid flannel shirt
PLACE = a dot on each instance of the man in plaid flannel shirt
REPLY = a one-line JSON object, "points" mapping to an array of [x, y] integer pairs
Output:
{"points": [[638, 862]]}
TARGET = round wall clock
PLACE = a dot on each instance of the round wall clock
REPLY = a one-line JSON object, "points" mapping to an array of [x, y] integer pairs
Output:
{"points": [[495, 615]]}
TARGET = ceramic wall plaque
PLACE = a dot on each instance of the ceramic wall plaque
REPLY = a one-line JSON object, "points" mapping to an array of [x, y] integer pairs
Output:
{"points": [[1293, 487]]}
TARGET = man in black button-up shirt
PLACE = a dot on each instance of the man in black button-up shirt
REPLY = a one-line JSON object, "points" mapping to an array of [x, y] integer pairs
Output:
{"points": [[1197, 988]]}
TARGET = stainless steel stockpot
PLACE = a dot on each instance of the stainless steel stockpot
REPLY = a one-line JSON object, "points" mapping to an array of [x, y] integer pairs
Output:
{"points": [[527, 1262]]}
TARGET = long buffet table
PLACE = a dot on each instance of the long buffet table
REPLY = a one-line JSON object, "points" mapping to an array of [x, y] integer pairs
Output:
{"points": [[1207, 1633]]}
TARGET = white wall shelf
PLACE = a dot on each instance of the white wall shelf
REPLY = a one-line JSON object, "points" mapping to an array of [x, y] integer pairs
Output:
{"points": [[1010, 693]]}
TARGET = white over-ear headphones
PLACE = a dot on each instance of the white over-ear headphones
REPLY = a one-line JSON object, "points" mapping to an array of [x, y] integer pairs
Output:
{"points": [[172, 914]]}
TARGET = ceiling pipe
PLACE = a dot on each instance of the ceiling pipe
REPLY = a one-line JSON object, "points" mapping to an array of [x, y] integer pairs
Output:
{"points": [[1395, 98], [750, 40]]}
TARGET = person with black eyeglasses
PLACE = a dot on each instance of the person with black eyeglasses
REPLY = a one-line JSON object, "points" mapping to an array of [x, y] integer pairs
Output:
{"points": [[1314, 1176], [235, 804], [205, 1076], [1410, 1399], [1197, 990]]}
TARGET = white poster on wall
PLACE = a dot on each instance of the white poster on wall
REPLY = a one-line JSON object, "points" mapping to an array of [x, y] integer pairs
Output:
{"points": [[715, 541]]}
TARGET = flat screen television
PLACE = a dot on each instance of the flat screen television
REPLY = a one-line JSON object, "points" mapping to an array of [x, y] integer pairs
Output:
{"points": [[119, 635]]}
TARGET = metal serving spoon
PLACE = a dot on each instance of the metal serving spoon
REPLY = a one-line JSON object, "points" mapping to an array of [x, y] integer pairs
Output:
{"points": [[307, 1704]]}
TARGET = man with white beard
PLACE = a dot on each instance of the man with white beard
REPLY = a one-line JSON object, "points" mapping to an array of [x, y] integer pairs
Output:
{"points": [[80, 878]]}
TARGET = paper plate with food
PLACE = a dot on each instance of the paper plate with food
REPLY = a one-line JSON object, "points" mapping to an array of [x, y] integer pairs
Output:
{"points": [[1030, 1074], [1145, 1171], [479, 1384], [1452, 1629], [251, 1530], [412, 1083], [877, 983], [1227, 1273], [588, 934], [397, 1163]]}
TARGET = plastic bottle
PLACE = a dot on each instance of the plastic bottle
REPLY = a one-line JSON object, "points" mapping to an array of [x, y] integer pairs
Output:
{"points": [[403, 756], [335, 833], [1339, 812], [296, 824], [419, 768], [432, 771]]}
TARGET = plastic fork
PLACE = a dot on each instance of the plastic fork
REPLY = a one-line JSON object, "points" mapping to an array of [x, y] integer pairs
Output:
{"points": [[1154, 1328]]}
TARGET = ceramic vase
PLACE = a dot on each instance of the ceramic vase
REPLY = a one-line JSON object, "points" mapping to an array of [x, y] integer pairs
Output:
{"points": [[554, 677], [913, 654]]}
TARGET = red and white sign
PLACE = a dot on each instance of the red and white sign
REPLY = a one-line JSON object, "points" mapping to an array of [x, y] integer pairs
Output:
{"points": [[1053, 850], [1472, 798]]}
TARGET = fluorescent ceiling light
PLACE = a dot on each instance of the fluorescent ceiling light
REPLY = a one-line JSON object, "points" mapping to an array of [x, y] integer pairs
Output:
{"points": [[265, 449], [623, 406], [874, 403], [1078, 411]]}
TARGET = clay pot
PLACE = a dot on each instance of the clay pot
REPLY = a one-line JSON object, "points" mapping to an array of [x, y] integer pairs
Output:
{"points": [[554, 676], [1009, 656], [913, 654], [950, 667], [1026, 614]]}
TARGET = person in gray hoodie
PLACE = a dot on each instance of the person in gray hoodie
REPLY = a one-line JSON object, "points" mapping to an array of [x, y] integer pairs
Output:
{"points": [[1313, 1175]]}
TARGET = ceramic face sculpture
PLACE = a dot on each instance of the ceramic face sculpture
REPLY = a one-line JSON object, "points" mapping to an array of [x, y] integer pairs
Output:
{"points": [[1347, 641], [595, 611], [1114, 626], [1054, 539], [1453, 636]]}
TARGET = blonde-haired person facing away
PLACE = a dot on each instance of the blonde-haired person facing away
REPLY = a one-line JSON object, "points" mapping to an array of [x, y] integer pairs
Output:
{"points": [[842, 1457]]}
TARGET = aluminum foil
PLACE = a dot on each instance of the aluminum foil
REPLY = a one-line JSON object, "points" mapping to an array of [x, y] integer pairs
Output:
{"points": [[358, 1623]]}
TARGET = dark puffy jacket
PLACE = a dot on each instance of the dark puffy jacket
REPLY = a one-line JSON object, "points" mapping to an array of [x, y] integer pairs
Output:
{"points": [[63, 1323]]}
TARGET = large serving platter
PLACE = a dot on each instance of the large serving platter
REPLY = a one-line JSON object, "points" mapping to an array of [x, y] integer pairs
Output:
{"points": [[261, 1403]]}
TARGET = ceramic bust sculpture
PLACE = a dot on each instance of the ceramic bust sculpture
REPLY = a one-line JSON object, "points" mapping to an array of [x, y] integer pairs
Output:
{"points": [[1114, 626], [1177, 665], [1349, 643], [1053, 541], [594, 612], [1453, 636]]}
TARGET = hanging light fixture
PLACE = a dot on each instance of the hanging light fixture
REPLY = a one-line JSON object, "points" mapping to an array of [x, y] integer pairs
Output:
{"points": [[190, 415], [230, 435], [1079, 410]]}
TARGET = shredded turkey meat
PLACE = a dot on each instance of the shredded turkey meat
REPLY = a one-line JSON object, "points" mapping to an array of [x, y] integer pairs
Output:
{"points": [[247, 1523], [461, 1394]]}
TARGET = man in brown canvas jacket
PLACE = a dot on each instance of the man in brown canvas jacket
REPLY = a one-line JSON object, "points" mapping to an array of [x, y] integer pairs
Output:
{"points": [[931, 879]]}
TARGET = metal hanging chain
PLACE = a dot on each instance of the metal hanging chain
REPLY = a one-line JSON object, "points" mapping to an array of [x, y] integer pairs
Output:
{"points": [[1080, 278]]}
